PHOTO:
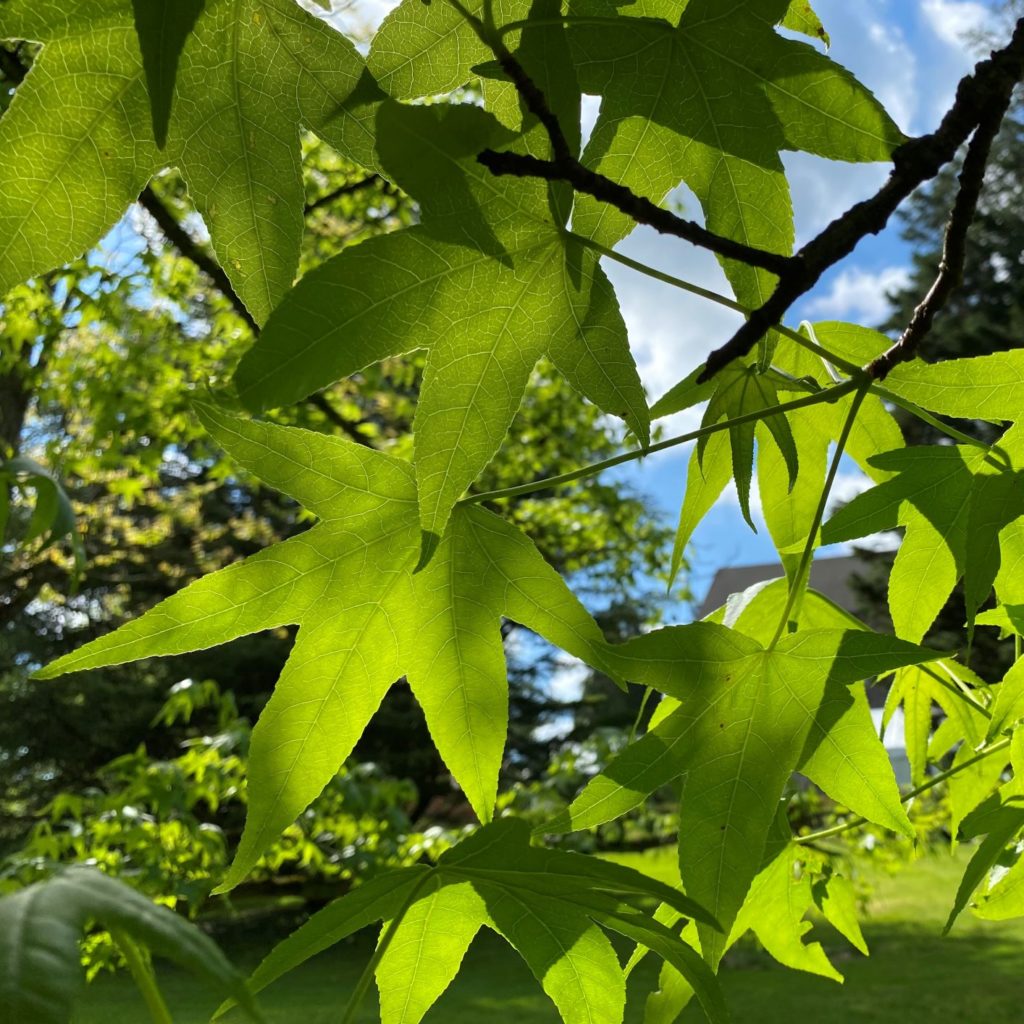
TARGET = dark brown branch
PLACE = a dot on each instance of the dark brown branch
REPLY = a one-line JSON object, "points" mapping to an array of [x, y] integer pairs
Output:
{"points": [[954, 248], [564, 166], [188, 247], [640, 209], [341, 190], [988, 88], [191, 250]]}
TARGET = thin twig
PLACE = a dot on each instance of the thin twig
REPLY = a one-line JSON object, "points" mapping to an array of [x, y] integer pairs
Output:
{"points": [[954, 246], [565, 166], [988, 88], [191, 250], [342, 190], [832, 394], [935, 780]]}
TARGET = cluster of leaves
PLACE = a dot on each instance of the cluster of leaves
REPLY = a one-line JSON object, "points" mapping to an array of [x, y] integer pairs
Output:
{"points": [[165, 826], [410, 571]]}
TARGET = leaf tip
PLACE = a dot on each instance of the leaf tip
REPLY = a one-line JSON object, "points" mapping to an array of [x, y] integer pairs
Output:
{"points": [[428, 545]]}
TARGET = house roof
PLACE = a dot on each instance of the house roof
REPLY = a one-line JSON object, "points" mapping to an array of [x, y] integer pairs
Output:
{"points": [[829, 576]]}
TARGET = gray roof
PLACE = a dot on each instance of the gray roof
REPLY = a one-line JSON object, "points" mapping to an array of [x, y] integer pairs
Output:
{"points": [[829, 576]]}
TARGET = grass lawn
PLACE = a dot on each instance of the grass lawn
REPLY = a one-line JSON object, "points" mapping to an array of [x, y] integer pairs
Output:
{"points": [[912, 976]]}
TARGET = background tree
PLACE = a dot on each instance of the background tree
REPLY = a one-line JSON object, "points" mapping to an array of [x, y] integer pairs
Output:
{"points": [[92, 368]]}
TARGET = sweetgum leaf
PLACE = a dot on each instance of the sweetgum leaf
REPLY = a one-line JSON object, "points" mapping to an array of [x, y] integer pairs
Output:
{"points": [[496, 878], [79, 143], [844, 755], [426, 951], [745, 720], [710, 98], [487, 284], [348, 583], [954, 504]]}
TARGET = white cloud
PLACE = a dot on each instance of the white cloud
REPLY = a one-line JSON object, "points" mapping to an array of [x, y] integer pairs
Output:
{"points": [[859, 295], [954, 21]]}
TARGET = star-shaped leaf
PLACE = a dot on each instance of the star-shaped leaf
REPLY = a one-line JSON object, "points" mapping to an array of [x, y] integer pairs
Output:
{"points": [[79, 141], [365, 620], [488, 283], [954, 501], [552, 907], [711, 98], [745, 720]]}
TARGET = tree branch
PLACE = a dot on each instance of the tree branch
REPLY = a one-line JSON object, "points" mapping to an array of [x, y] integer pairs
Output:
{"points": [[986, 90], [566, 167], [191, 250], [188, 247], [342, 190], [954, 247]]}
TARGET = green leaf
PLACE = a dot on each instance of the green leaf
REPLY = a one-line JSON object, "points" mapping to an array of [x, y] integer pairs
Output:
{"points": [[488, 284], [349, 584], [78, 137], [711, 102], [705, 480], [41, 927], [779, 899], [162, 27], [1008, 707], [742, 391], [954, 506], [430, 49], [745, 721], [844, 754], [978, 388], [1004, 826], [571, 957], [250, 74], [801, 17], [544, 902], [427, 948]]}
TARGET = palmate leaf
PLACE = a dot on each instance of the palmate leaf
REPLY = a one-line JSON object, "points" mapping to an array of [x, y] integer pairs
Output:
{"points": [[710, 98], [965, 701], [551, 906], [792, 448], [365, 620], [745, 720], [793, 881], [845, 758], [487, 284], [954, 501], [41, 928], [79, 140]]}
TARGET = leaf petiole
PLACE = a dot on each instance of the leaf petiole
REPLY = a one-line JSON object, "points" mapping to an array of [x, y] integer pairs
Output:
{"points": [[832, 394], [142, 974], [931, 783], [363, 984]]}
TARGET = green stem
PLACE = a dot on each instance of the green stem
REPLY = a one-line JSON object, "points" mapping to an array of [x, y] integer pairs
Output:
{"points": [[832, 394], [608, 20], [145, 980], [958, 689], [648, 692], [366, 978], [799, 581], [935, 780], [722, 300]]}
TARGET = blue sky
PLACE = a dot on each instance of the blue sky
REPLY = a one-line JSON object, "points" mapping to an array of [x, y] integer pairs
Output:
{"points": [[911, 53]]}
